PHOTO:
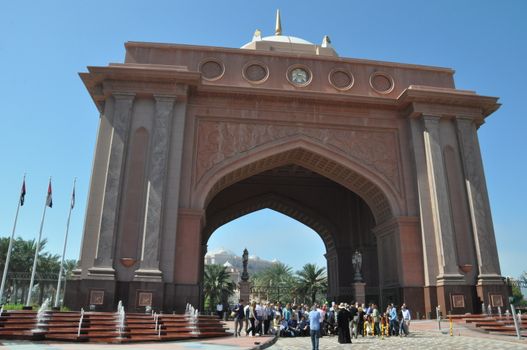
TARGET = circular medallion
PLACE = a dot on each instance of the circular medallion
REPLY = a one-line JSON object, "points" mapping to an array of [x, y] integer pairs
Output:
{"points": [[341, 79], [211, 69], [299, 75], [255, 72], [381, 82]]}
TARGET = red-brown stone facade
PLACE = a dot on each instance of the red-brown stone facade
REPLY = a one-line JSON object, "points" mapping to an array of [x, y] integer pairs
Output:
{"points": [[374, 156]]}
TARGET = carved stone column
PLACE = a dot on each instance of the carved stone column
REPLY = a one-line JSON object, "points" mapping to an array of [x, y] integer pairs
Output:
{"points": [[332, 272], [157, 171], [188, 258], [440, 203], [485, 241], [103, 264], [430, 263]]}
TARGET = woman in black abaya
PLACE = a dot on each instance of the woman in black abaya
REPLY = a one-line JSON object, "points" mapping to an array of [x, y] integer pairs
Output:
{"points": [[343, 321]]}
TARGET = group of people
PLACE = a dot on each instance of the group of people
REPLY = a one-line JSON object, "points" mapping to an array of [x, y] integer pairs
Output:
{"points": [[354, 320], [346, 321]]}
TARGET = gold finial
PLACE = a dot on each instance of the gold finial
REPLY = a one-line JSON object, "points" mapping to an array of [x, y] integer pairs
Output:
{"points": [[278, 27], [326, 41], [257, 35]]}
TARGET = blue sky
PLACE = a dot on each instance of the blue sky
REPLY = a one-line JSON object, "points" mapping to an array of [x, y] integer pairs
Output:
{"points": [[48, 120]]}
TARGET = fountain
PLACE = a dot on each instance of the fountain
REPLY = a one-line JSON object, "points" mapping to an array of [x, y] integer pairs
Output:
{"points": [[499, 311], [120, 318], [192, 315], [483, 310], [41, 316], [80, 323]]}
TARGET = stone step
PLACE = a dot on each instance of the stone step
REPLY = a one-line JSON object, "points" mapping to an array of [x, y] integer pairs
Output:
{"points": [[105, 334], [69, 337], [141, 325], [144, 331], [65, 324], [102, 327], [18, 326], [145, 338], [90, 328], [63, 330]]}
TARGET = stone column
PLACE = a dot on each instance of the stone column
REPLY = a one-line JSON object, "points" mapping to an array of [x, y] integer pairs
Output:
{"points": [[425, 210], [157, 171], [485, 241], [187, 258], [440, 203], [332, 273], [103, 264], [172, 190]]}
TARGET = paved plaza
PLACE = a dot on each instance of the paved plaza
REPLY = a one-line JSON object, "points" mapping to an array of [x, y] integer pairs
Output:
{"points": [[418, 340], [425, 335]]}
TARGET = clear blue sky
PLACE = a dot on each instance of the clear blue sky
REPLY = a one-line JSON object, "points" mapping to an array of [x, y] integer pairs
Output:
{"points": [[48, 121]]}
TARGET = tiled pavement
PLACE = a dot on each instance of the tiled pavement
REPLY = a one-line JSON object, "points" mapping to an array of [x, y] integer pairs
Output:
{"points": [[417, 340], [425, 335]]}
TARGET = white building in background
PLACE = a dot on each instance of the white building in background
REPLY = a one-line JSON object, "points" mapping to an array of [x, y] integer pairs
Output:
{"points": [[234, 262]]}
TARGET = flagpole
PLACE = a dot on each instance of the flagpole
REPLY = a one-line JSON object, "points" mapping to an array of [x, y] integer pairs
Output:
{"points": [[28, 302], [57, 295], [8, 257]]}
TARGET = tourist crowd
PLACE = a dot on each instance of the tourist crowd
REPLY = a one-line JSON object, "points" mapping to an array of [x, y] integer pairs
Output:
{"points": [[343, 320]]}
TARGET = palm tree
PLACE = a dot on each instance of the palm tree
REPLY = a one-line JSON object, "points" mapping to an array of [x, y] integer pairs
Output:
{"points": [[217, 284], [312, 279], [278, 280], [21, 264]]}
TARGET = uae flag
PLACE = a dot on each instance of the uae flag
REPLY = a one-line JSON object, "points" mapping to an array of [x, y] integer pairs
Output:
{"points": [[49, 200], [73, 197], [23, 192]]}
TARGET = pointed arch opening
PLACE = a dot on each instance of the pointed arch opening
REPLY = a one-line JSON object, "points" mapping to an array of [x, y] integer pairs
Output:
{"points": [[380, 196]]}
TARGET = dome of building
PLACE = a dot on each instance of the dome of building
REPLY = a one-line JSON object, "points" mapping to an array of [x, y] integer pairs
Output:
{"points": [[282, 39], [287, 43]]}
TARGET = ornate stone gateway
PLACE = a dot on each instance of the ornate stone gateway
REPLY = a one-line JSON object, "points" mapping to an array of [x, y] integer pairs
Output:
{"points": [[380, 158]]}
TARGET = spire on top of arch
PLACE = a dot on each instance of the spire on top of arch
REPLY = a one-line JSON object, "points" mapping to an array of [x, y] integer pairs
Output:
{"points": [[278, 26], [286, 43]]}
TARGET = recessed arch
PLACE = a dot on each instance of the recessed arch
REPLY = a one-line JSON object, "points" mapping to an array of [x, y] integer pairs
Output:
{"points": [[299, 150], [279, 203]]}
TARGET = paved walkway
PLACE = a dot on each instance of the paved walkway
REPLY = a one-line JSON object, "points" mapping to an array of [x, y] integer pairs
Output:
{"points": [[424, 335], [418, 340]]}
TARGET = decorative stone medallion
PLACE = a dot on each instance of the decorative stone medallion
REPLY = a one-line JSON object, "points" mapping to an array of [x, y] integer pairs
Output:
{"points": [[382, 82], [341, 79], [458, 301], [96, 297], [144, 299], [299, 75], [127, 262], [211, 69], [496, 300], [255, 72]]}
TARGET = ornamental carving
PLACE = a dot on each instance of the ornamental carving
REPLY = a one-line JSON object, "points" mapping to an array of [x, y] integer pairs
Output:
{"points": [[219, 141]]}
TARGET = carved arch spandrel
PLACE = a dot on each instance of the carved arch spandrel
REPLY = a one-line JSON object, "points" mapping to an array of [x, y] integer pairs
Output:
{"points": [[380, 196], [218, 141], [323, 227]]}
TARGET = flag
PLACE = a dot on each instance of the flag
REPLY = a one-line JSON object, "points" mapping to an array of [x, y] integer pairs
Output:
{"points": [[23, 192], [73, 198], [49, 200]]}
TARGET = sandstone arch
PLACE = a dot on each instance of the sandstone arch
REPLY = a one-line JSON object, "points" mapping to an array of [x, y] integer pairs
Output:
{"points": [[377, 193]]}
